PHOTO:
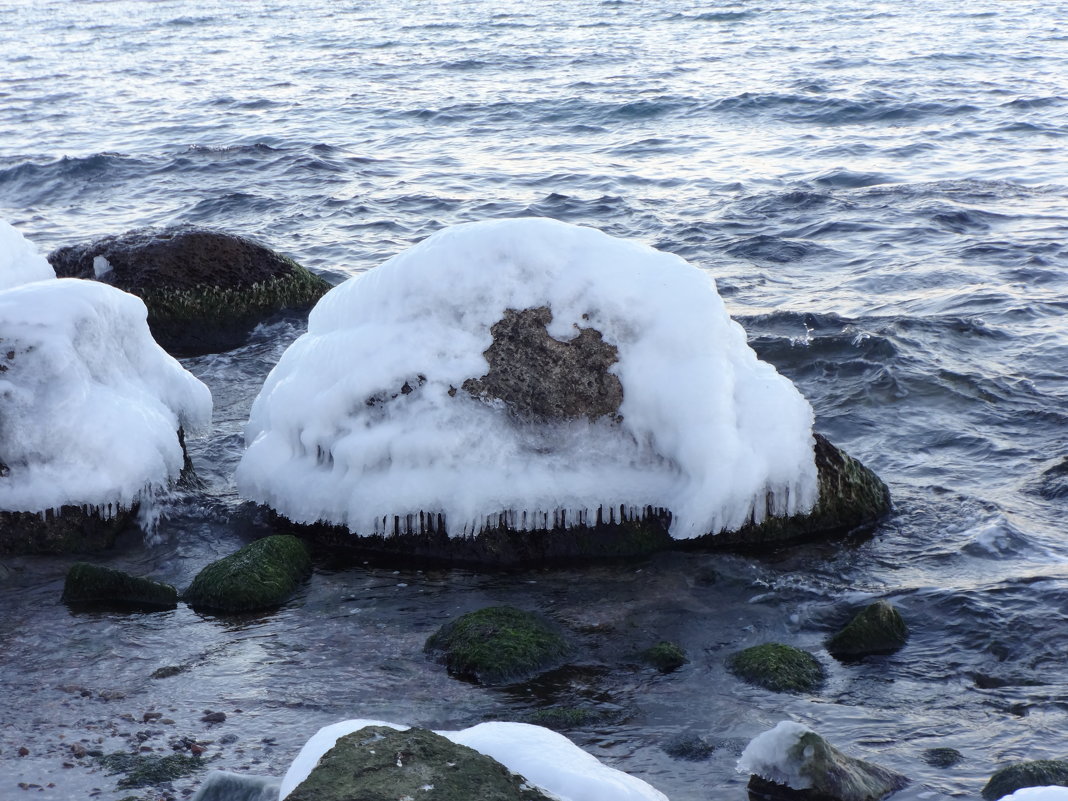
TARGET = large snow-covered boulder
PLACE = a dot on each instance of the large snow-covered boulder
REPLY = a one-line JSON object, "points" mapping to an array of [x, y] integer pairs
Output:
{"points": [[92, 412], [546, 762], [205, 290], [528, 376]]}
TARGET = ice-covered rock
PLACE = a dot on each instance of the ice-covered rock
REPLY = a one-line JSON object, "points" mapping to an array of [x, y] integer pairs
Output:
{"points": [[1033, 773], [20, 261], [792, 761], [1053, 793], [403, 409], [205, 290], [91, 413], [549, 762]]}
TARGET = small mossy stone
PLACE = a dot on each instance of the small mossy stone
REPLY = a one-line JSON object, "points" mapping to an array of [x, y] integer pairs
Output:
{"points": [[777, 667], [877, 629], [942, 757], [1038, 773], [498, 644], [262, 575], [562, 718], [665, 656], [93, 584], [378, 763], [144, 770]]}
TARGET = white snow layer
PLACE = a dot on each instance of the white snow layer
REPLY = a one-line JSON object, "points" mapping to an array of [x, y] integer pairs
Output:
{"points": [[1038, 794], [90, 405], [20, 261], [547, 760], [767, 756], [708, 430]]}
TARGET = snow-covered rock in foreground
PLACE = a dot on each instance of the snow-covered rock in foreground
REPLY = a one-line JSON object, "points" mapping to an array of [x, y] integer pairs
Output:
{"points": [[791, 755], [20, 261], [547, 760], [386, 408], [90, 405], [1038, 794]]}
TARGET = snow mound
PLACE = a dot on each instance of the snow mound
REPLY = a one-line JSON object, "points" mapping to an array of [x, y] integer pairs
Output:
{"points": [[544, 758], [768, 756], [1038, 794], [91, 405], [364, 420], [20, 262]]}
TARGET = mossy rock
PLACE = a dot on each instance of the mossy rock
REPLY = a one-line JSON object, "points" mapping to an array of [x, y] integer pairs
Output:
{"points": [[877, 629], [777, 667], [93, 584], [145, 770], [665, 656], [1038, 773], [563, 718], [851, 498], [378, 763], [72, 530], [942, 757], [498, 645], [205, 290], [262, 575]]}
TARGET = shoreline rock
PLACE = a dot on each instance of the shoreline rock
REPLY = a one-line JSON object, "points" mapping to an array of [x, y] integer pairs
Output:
{"points": [[262, 575]]}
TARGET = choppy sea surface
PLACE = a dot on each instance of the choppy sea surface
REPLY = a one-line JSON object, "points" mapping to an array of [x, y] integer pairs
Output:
{"points": [[881, 193]]}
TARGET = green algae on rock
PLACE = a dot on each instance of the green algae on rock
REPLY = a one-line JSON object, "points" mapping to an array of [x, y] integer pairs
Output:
{"points": [[1036, 773], [665, 656], [205, 290], [378, 763], [262, 575], [497, 645], [93, 584], [876, 629], [145, 770], [777, 667]]}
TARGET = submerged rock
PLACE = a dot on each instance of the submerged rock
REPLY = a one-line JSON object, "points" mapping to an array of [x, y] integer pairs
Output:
{"points": [[497, 645], [793, 763], [777, 667], [942, 757], [93, 584], [205, 290], [1036, 773], [665, 656], [262, 575], [877, 629], [378, 763]]}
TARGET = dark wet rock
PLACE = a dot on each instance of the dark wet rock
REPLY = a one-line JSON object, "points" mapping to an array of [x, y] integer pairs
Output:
{"points": [[262, 575], [498, 645], [877, 629], [665, 656], [93, 584], [1038, 773], [213, 717], [145, 770], [851, 498], [690, 747], [543, 378], [167, 671], [825, 773], [564, 718], [777, 667], [942, 757], [73, 530], [381, 764], [1053, 483], [205, 290], [224, 786]]}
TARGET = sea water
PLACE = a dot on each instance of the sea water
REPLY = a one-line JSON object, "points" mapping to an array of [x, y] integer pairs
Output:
{"points": [[880, 192]]}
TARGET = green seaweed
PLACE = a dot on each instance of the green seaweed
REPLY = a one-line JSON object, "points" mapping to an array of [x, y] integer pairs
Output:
{"points": [[497, 645], [777, 667], [143, 770], [262, 575]]}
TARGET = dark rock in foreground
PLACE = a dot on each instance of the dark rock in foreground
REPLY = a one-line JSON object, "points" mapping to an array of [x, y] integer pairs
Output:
{"points": [[777, 667], [811, 769], [73, 530], [1038, 773], [877, 629], [378, 763], [204, 290], [93, 584], [497, 645], [262, 575]]}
